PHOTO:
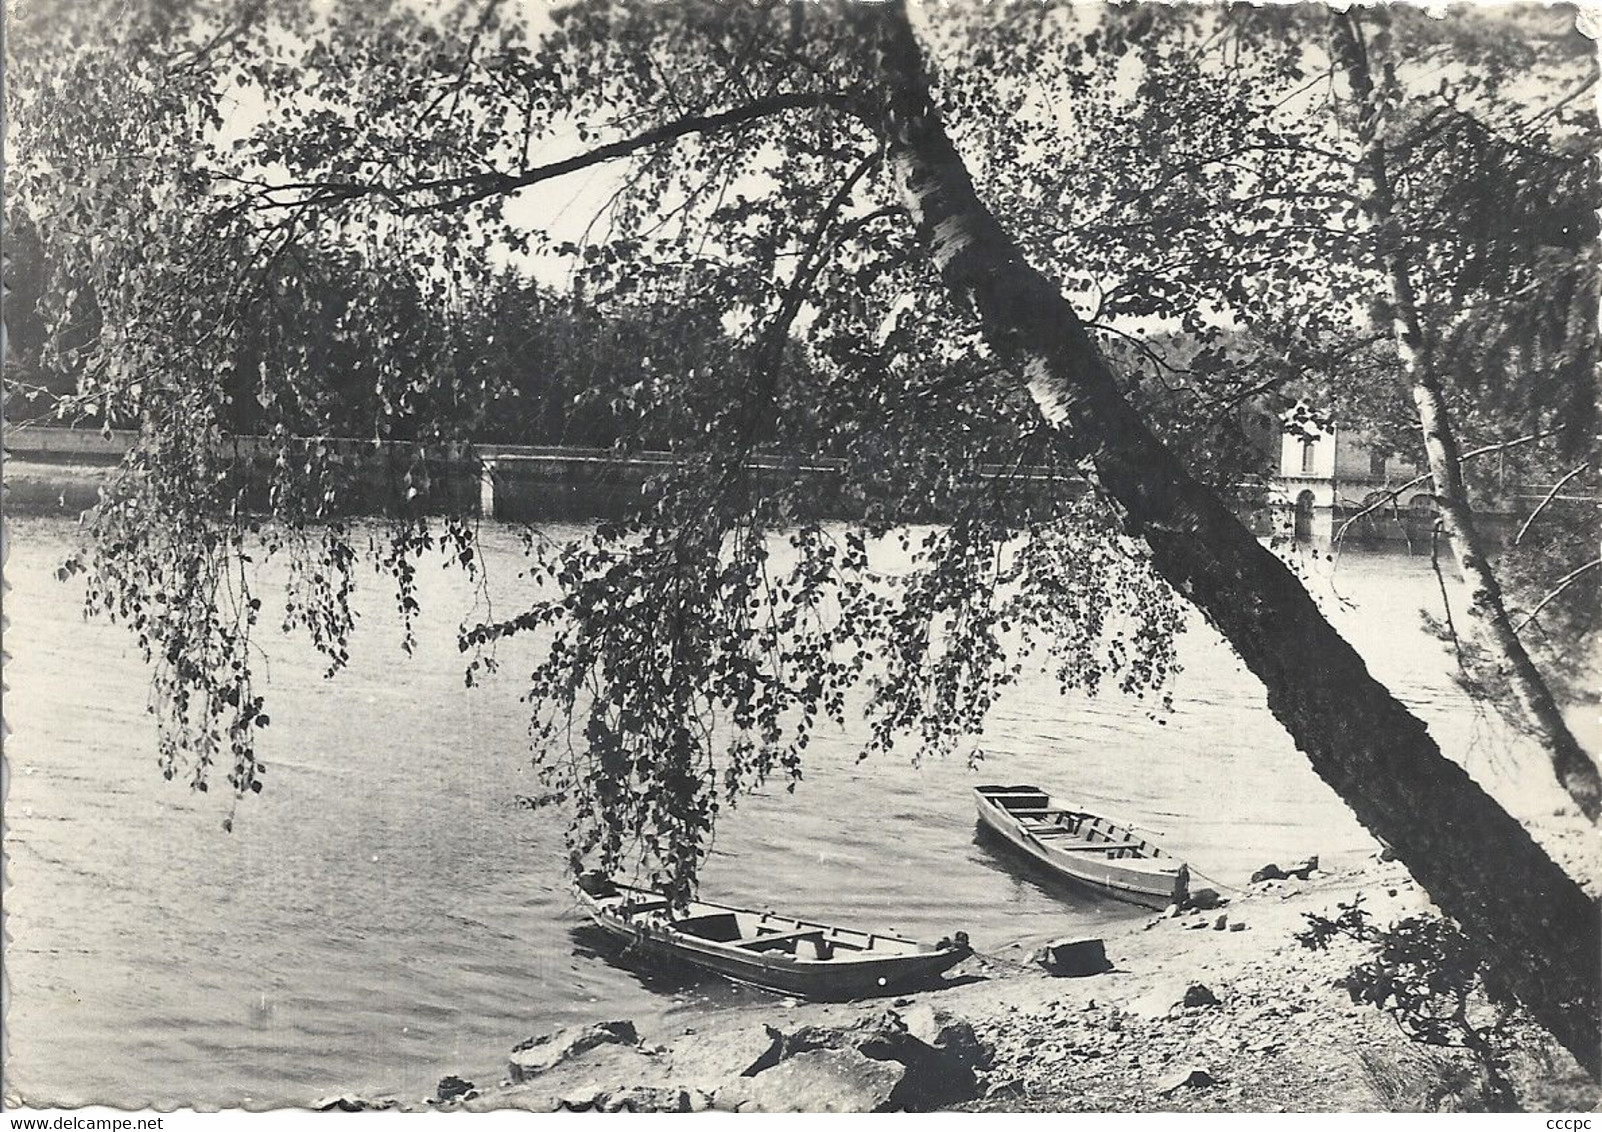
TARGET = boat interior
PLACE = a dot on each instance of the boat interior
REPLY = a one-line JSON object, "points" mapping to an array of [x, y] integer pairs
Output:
{"points": [[760, 932], [805, 941], [1066, 829]]}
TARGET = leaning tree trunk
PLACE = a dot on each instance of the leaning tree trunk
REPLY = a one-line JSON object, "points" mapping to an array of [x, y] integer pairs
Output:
{"points": [[1490, 630], [1538, 927]]}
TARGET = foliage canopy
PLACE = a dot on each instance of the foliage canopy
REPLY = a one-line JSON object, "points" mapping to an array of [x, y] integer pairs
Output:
{"points": [[308, 221]]}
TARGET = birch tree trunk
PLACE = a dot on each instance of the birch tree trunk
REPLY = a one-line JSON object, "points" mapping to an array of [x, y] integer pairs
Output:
{"points": [[1489, 629], [1539, 928]]}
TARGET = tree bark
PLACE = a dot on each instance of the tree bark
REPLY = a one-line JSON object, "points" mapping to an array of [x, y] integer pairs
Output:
{"points": [[1490, 631], [1540, 930]]}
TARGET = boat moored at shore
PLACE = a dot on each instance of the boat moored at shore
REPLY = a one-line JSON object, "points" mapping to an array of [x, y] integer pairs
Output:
{"points": [[798, 957], [1083, 847]]}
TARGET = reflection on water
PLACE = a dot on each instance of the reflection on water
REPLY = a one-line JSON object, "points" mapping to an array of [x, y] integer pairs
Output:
{"points": [[385, 913], [658, 973]]}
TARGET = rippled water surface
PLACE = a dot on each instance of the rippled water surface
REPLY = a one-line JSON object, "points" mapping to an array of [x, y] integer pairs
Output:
{"points": [[384, 913]]}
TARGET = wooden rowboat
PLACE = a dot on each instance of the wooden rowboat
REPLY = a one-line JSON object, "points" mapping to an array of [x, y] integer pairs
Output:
{"points": [[1082, 846], [777, 952]]}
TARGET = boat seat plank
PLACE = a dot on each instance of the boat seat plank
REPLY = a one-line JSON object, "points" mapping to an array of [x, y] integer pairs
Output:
{"points": [[1098, 846], [762, 942]]}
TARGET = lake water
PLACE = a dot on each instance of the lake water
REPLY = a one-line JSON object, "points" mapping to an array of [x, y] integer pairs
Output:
{"points": [[385, 914]]}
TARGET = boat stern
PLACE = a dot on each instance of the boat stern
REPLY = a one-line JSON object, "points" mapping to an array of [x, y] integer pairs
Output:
{"points": [[1181, 891]]}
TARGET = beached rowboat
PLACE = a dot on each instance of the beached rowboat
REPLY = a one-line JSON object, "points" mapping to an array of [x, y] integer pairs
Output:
{"points": [[778, 952], [1082, 846]]}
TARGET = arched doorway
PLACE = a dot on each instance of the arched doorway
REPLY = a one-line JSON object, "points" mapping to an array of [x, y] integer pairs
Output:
{"points": [[1304, 516]]}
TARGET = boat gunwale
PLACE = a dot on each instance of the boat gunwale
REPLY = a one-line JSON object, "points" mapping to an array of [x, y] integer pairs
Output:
{"points": [[667, 934]]}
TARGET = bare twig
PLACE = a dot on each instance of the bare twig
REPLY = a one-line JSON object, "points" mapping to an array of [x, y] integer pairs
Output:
{"points": [[1564, 583], [1551, 495], [1560, 103]]}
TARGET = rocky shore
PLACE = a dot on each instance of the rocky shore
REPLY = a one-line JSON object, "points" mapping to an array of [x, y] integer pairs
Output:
{"points": [[1208, 1009]]}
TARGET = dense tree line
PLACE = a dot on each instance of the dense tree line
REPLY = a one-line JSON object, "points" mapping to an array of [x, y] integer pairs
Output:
{"points": [[542, 368]]}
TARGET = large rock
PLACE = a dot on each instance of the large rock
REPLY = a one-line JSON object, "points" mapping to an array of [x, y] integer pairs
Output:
{"points": [[948, 1034], [1199, 994], [709, 1060], [1302, 870], [934, 1075], [539, 1054], [586, 1079], [1074, 957], [819, 1080], [349, 1102], [1189, 1077], [522, 1098], [1171, 995], [644, 1098], [919, 1060]]}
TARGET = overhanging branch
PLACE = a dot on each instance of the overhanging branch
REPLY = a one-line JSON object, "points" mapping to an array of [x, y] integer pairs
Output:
{"points": [[476, 187]]}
